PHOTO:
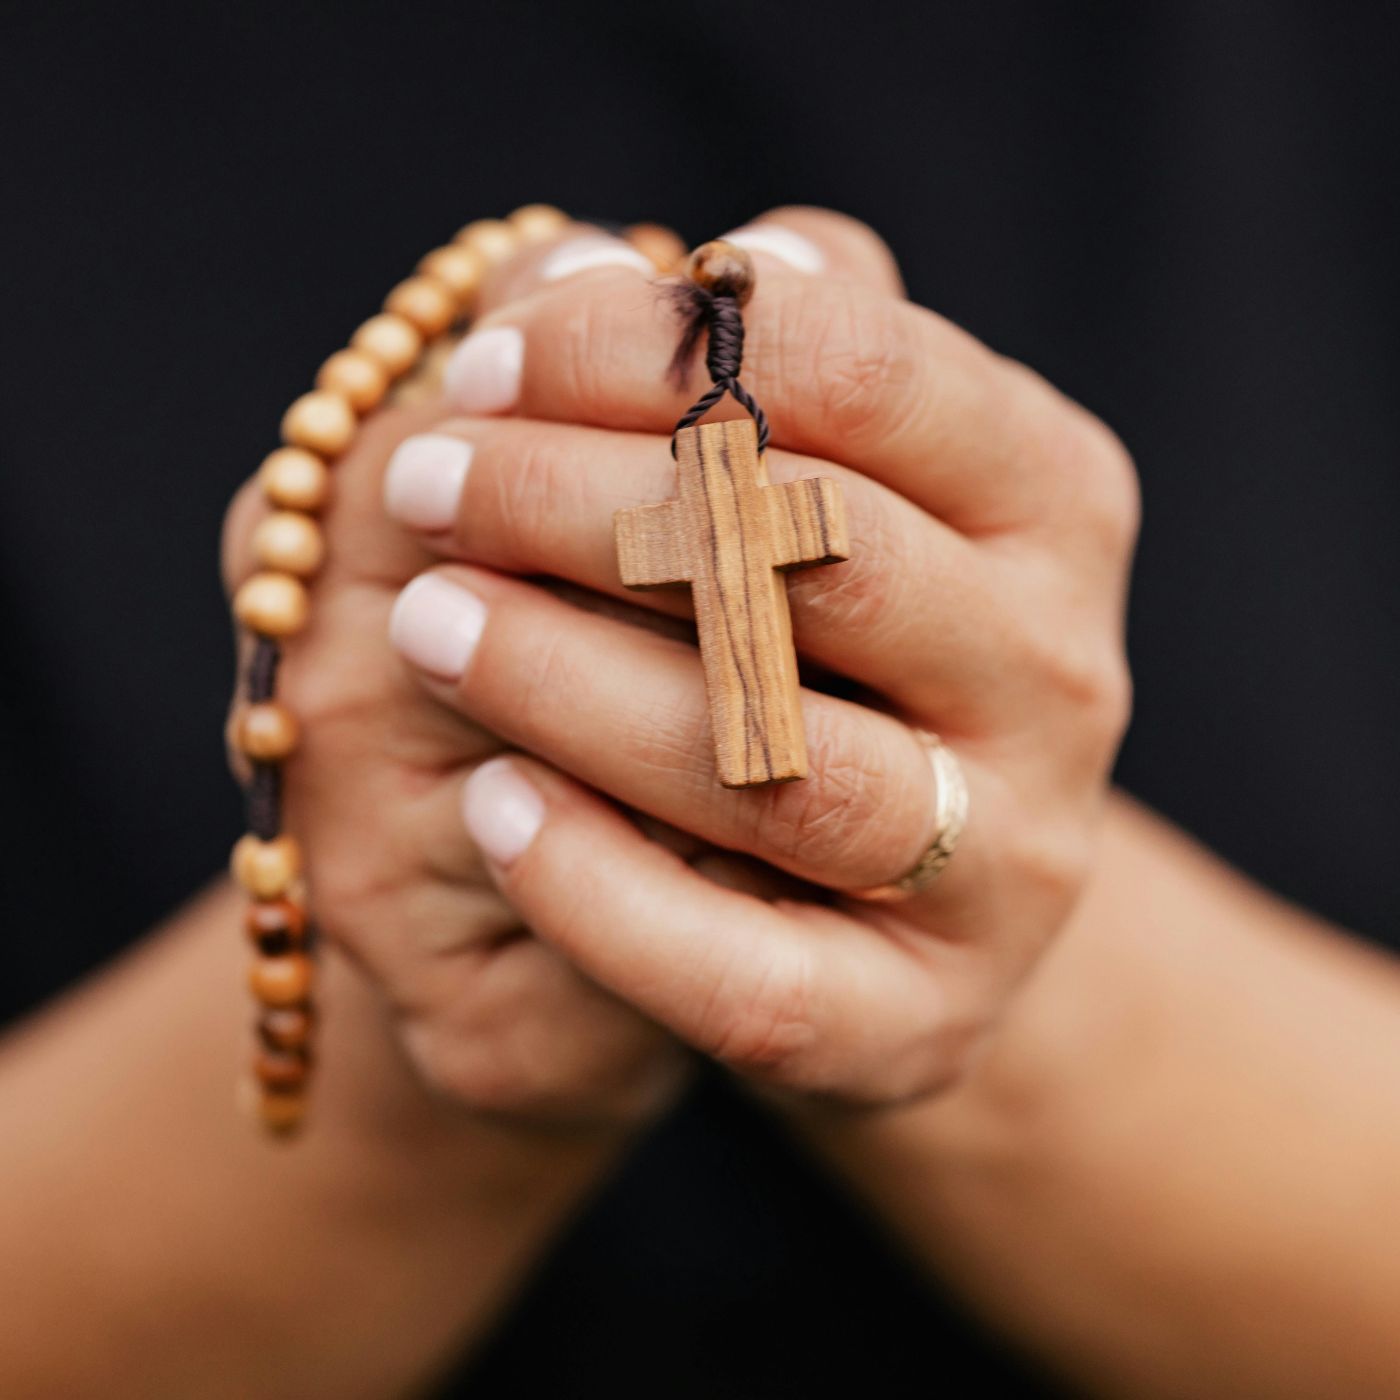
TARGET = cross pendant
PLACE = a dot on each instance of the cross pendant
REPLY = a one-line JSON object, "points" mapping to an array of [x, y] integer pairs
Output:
{"points": [[730, 536]]}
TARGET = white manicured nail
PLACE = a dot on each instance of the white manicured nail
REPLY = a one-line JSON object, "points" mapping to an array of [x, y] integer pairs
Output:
{"points": [[483, 375], [436, 625], [592, 250], [782, 243], [503, 810], [423, 485]]}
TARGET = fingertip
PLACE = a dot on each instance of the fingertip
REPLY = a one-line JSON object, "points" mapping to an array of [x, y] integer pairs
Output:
{"points": [[503, 810], [845, 246], [588, 252]]}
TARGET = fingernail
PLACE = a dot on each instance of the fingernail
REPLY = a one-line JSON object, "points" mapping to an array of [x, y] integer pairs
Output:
{"points": [[503, 810], [483, 375], [424, 482], [436, 625], [592, 250], [782, 243]]}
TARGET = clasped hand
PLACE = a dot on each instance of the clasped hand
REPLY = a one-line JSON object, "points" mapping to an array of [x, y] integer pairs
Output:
{"points": [[507, 794]]}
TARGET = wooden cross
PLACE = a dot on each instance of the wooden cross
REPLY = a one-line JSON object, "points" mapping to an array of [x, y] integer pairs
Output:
{"points": [[730, 535]]}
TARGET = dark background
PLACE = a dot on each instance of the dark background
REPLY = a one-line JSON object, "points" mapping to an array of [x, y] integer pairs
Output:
{"points": [[1187, 215]]}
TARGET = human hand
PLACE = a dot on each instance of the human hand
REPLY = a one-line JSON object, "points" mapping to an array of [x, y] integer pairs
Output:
{"points": [[992, 524], [492, 1017]]}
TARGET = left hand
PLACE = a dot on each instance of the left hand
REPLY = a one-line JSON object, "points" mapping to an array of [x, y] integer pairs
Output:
{"points": [[992, 524]]}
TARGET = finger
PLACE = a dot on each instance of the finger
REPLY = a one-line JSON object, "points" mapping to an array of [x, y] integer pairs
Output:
{"points": [[492, 1017], [819, 242], [624, 710], [797, 994], [844, 373], [574, 251], [914, 612]]}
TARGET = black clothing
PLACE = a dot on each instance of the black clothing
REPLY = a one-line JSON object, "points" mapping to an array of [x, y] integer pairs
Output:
{"points": [[1186, 216]]}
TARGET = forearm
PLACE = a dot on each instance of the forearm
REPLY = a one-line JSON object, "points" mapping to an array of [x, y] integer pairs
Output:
{"points": [[155, 1244], [1172, 1174]]}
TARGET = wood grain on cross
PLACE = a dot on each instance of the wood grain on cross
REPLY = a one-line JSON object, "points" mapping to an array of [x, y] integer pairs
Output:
{"points": [[731, 535]]}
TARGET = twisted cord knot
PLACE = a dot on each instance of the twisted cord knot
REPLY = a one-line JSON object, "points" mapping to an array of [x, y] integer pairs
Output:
{"points": [[720, 316]]}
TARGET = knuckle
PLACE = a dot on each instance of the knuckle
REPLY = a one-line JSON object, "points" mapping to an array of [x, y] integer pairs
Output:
{"points": [[839, 819], [860, 355], [1090, 457], [1115, 502], [766, 1030], [587, 339], [1052, 863], [531, 490], [455, 1066], [550, 675]]}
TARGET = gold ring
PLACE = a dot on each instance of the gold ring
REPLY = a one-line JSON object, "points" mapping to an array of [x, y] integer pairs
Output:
{"points": [[950, 817]]}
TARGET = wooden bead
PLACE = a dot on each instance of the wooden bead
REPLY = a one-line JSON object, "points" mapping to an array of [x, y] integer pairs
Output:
{"points": [[289, 542], [425, 302], [356, 377], [458, 268], [295, 479], [321, 422], [662, 246], [723, 269], [286, 1027], [266, 731], [280, 920], [390, 340], [272, 605], [538, 223], [281, 981], [280, 1071], [282, 1113], [266, 869], [494, 239]]}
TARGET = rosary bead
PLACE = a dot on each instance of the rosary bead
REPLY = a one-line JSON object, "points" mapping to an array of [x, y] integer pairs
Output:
{"points": [[266, 869], [280, 919], [390, 340], [538, 223], [425, 302], [358, 377], [266, 731], [458, 268], [280, 1071], [281, 981], [281, 1113], [290, 542], [494, 239], [722, 269], [295, 479], [286, 1027], [662, 246], [321, 422], [272, 605]]}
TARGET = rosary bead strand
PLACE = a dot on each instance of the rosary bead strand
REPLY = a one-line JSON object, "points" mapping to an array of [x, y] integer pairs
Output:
{"points": [[273, 605]]}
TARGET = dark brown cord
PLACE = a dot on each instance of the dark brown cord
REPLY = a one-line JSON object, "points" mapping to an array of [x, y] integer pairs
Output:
{"points": [[263, 795], [702, 311]]}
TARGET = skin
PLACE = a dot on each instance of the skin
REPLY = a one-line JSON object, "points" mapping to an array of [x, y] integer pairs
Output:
{"points": [[988, 514], [992, 523]]}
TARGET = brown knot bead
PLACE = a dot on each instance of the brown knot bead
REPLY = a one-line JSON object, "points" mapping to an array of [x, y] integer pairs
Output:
{"points": [[281, 1071], [276, 921], [286, 1027], [722, 270]]}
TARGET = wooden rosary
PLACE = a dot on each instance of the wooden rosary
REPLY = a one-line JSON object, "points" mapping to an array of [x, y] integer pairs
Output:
{"points": [[728, 535]]}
